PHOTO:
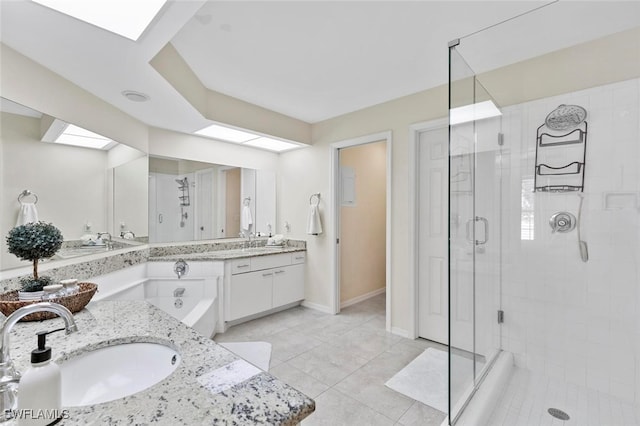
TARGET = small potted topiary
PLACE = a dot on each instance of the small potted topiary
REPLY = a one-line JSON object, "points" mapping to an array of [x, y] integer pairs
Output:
{"points": [[34, 241]]}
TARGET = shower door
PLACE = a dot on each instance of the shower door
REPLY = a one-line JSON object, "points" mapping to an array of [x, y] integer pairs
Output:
{"points": [[474, 241]]}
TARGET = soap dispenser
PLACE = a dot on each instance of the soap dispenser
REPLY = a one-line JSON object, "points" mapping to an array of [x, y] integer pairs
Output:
{"points": [[39, 391]]}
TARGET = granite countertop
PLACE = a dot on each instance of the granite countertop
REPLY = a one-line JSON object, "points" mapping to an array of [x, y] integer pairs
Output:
{"points": [[189, 395], [227, 254]]}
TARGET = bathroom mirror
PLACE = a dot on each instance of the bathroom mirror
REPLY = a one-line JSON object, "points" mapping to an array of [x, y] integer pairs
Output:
{"points": [[80, 190], [191, 200]]}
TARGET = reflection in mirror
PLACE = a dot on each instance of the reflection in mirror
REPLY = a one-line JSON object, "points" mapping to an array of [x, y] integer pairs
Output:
{"points": [[191, 200], [80, 189]]}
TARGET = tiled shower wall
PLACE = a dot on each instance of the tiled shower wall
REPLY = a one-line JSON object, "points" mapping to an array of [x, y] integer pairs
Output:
{"points": [[572, 320]]}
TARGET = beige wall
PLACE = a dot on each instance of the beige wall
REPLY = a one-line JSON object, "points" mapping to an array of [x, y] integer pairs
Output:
{"points": [[363, 225], [71, 182], [603, 61]]}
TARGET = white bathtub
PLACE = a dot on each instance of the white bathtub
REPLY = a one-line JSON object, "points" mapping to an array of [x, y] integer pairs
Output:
{"points": [[199, 307]]}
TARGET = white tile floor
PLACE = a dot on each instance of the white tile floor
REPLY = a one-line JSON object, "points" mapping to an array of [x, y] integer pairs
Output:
{"points": [[342, 361], [529, 395]]}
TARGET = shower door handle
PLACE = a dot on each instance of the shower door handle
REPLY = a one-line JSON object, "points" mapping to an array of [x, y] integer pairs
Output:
{"points": [[160, 218], [486, 230]]}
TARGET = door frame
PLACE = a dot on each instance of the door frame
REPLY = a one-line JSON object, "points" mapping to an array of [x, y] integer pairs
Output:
{"points": [[335, 216], [414, 132]]}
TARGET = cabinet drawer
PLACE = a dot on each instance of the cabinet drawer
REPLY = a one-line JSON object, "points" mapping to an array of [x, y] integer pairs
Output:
{"points": [[298, 257], [270, 261], [240, 266]]}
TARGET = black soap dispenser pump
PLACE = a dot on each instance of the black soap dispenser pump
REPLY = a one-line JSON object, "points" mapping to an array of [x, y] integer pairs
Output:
{"points": [[39, 391]]}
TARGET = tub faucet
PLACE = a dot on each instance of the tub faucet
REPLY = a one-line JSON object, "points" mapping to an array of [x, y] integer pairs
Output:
{"points": [[180, 268], [9, 376], [178, 292]]}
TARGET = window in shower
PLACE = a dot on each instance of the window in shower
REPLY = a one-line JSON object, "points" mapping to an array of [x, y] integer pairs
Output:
{"points": [[527, 219]]}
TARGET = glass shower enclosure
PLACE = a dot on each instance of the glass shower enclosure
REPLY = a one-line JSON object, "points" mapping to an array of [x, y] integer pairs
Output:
{"points": [[474, 232], [544, 210]]}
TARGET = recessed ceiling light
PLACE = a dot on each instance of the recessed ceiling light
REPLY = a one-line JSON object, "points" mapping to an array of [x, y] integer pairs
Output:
{"points": [[226, 134], [472, 112], [272, 144], [135, 96], [126, 18]]}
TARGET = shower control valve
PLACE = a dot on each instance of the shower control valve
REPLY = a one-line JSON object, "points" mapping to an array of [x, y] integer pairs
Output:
{"points": [[181, 268], [562, 222]]}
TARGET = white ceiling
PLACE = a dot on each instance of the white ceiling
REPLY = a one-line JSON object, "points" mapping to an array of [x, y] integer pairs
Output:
{"points": [[309, 60]]}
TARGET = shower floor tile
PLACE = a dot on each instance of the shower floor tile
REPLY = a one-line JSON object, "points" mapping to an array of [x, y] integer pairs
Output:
{"points": [[529, 395]]}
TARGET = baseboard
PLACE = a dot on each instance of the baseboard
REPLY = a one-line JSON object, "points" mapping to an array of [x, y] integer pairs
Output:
{"points": [[399, 332], [317, 307], [362, 298]]}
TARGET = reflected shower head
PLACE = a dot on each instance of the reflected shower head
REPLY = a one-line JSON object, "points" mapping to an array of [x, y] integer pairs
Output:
{"points": [[182, 181], [566, 117]]}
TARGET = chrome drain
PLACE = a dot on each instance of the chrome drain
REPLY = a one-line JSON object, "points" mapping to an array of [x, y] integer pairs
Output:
{"points": [[558, 414]]}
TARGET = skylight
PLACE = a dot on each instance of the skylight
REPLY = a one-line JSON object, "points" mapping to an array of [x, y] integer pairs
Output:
{"points": [[226, 133], [126, 18], [473, 112], [272, 144], [77, 136], [229, 134]]}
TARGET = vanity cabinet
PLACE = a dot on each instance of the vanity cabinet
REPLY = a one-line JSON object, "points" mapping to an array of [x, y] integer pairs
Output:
{"points": [[260, 284]]}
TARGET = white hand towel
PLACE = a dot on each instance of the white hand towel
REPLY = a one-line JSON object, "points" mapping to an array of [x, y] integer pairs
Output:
{"points": [[27, 214], [314, 224], [245, 219]]}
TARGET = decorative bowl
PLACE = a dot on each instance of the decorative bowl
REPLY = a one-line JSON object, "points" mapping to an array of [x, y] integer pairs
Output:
{"points": [[76, 302]]}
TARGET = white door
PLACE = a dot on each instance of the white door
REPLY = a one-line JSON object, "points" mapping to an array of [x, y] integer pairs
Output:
{"points": [[432, 234]]}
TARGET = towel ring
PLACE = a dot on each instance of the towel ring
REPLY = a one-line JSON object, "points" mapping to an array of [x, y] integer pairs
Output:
{"points": [[27, 193], [246, 201], [317, 195]]}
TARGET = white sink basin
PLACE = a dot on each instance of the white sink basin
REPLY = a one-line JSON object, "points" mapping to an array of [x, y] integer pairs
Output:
{"points": [[114, 372]]}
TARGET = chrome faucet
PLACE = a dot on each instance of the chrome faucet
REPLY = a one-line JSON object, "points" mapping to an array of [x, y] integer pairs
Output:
{"points": [[9, 376], [178, 292], [108, 241], [246, 234]]}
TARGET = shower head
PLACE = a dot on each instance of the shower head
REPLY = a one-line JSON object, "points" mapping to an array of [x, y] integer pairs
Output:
{"points": [[566, 117], [182, 181]]}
